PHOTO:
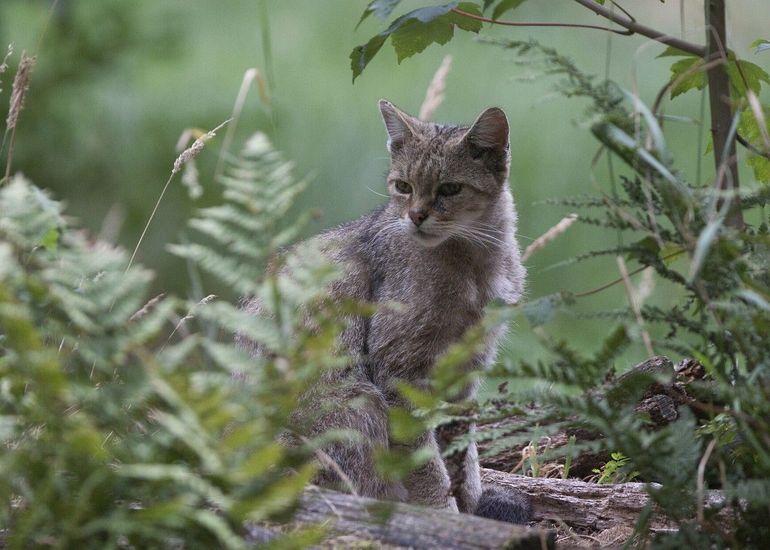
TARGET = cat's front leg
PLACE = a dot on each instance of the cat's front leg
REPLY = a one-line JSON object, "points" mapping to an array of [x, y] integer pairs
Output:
{"points": [[462, 466]]}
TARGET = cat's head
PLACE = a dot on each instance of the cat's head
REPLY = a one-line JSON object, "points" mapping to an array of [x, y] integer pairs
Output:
{"points": [[444, 180]]}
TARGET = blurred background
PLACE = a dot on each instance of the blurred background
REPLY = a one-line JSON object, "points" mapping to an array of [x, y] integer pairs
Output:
{"points": [[117, 83]]}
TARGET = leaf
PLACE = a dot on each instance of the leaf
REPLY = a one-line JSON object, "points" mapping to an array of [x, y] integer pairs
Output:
{"points": [[542, 310], [413, 32], [702, 247], [380, 8], [760, 45], [50, 241], [670, 252], [418, 33], [750, 130], [504, 6], [671, 51], [745, 74], [686, 73]]}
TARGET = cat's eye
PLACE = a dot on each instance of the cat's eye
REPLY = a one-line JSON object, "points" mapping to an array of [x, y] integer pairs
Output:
{"points": [[403, 187], [449, 189]]}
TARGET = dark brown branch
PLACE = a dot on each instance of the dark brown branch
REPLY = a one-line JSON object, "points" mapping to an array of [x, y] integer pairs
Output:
{"points": [[536, 24], [649, 32]]}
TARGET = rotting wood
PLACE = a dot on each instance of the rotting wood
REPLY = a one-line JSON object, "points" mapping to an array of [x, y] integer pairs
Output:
{"points": [[665, 392], [410, 526], [591, 506]]}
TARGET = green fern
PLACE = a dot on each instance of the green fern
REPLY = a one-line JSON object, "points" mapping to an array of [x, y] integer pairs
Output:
{"points": [[122, 425]]}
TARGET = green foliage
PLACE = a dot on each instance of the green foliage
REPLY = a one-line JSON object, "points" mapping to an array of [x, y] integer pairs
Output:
{"points": [[615, 470], [145, 426], [412, 32], [689, 74], [502, 6], [721, 319], [760, 45]]}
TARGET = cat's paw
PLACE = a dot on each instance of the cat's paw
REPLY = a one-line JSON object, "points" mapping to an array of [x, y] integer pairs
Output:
{"points": [[504, 505]]}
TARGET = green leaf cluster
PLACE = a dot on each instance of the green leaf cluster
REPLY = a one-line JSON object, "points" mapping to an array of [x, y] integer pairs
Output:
{"points": [[721, 319], [745, 77], [134, 422], [412, 32]]}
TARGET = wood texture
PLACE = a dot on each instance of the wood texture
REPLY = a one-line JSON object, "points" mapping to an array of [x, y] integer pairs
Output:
{"points": [[408, 526], [590, 506]]}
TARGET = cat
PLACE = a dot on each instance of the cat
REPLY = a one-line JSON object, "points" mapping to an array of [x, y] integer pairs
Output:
{"points": [[443, 247]]}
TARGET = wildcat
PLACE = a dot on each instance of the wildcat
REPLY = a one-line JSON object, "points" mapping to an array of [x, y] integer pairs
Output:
{"points": [[443, 247]]}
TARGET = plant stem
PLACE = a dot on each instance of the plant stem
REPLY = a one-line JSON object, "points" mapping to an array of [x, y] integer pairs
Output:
{"points": [[721, 112], [649, 32]]}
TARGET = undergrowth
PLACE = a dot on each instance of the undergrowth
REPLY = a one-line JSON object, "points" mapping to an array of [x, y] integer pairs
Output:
{"points": [[135, 422]]}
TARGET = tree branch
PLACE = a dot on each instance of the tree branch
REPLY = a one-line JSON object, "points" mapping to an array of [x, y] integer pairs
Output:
{"points": [[535, 24], [649, 32]]}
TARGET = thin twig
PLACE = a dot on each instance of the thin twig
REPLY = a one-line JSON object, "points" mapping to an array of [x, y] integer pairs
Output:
{"points": [[620, 280], [534, 24], [747, 144]]}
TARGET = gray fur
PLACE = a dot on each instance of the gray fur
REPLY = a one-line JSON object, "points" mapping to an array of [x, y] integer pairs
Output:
{"points": [[444, 272]]}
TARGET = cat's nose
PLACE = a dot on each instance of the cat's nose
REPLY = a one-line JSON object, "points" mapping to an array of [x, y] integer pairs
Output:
{"points": [[418, 215]]}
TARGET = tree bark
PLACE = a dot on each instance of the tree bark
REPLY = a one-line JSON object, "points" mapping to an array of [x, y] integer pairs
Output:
{"points": [[408, 526], [592, 506], [725, 159]]}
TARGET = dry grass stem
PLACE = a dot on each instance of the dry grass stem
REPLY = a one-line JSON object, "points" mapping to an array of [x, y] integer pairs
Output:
{"points": [[249, 77], [434, 97], [646, 285], [145, 309], [189, 153], [194, 149], [191, 315], [549, 236], [19, 90], [635, 302], [701, 485], [4, 64], [329, 462]]}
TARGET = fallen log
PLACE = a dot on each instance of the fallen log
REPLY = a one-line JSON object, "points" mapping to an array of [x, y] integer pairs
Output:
{"points": [[409, 526], [591, 506], [667, 389]]}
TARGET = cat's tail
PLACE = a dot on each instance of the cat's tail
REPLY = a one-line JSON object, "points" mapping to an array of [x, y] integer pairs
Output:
{"points": [[504, 505]]}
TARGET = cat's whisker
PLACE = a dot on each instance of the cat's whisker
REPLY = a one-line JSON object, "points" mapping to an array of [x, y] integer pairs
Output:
{"points": [[464, 232], [378, 193], [484, 235]]}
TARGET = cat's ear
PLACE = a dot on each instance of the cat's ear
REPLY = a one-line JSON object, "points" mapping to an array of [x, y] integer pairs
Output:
{"points": [[489, 132], [400, 126]]}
